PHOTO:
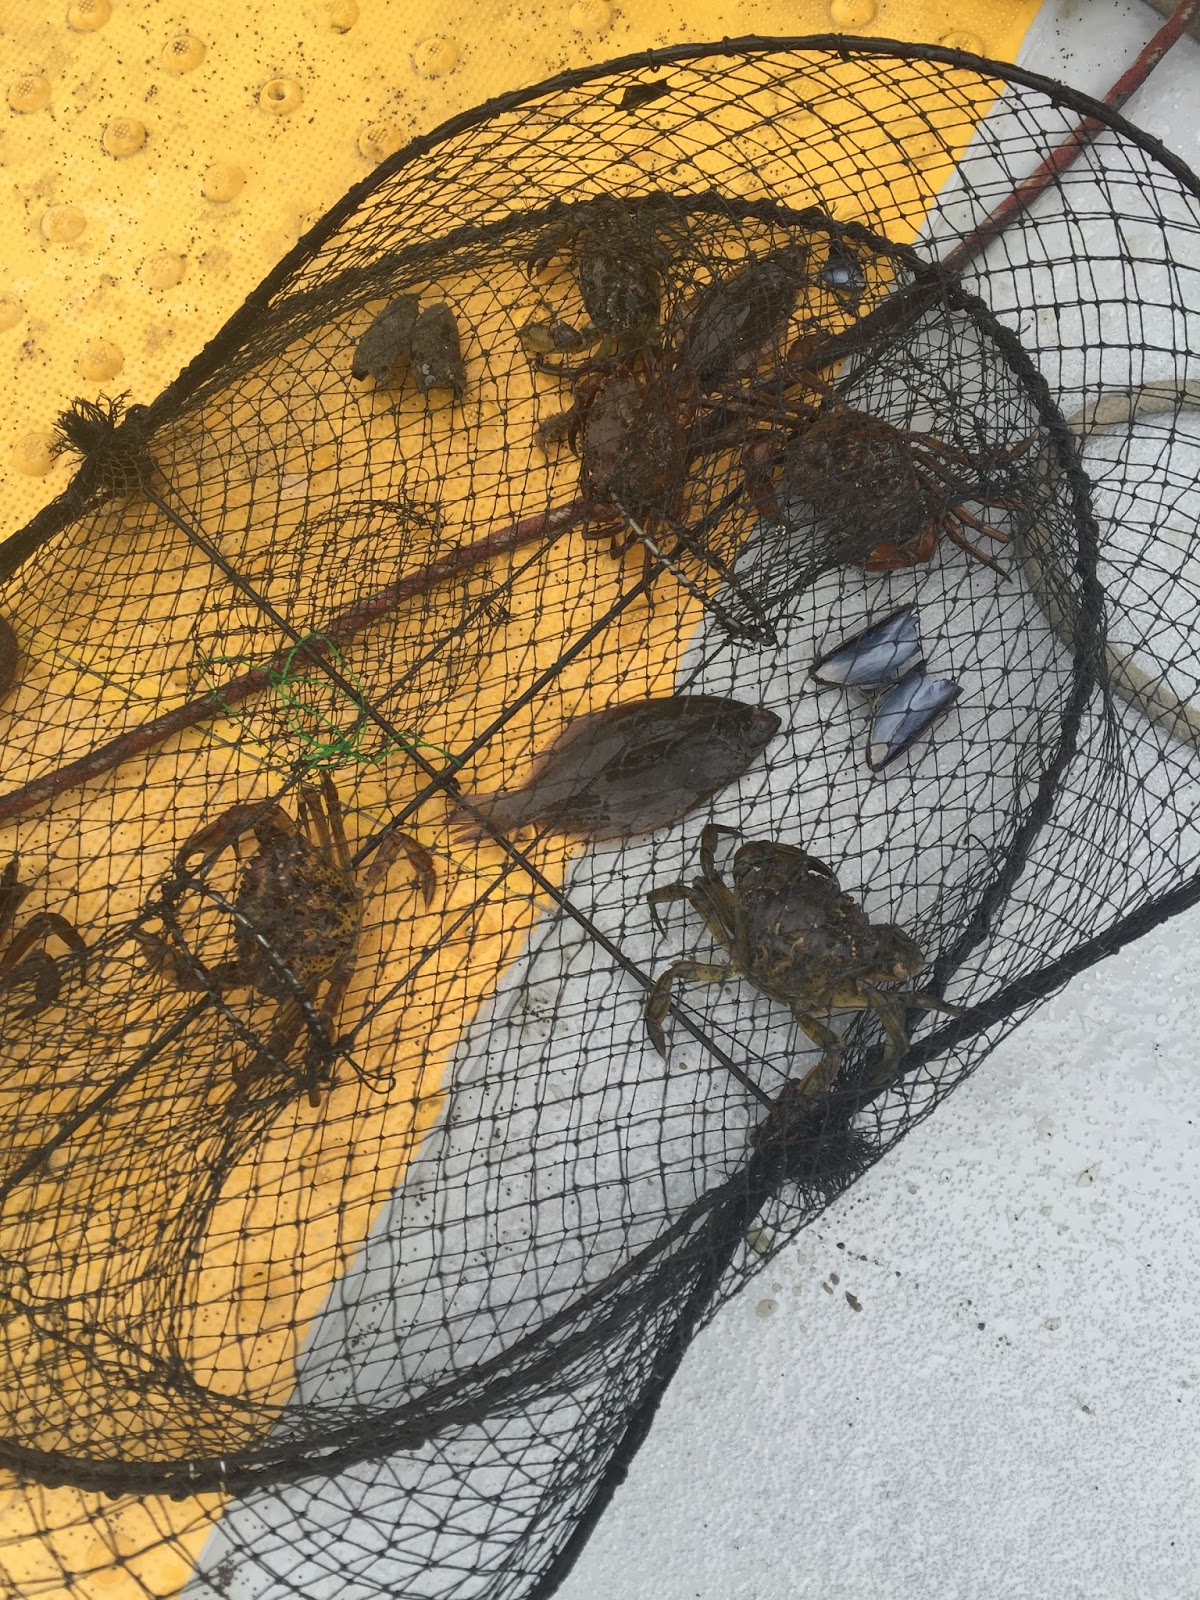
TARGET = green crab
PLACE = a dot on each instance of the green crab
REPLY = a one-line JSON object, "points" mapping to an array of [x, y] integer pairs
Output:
{"points": [[792, 932]]}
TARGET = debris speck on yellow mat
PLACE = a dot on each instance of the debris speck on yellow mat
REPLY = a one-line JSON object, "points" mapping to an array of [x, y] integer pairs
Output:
{"points": [[155, 164]]}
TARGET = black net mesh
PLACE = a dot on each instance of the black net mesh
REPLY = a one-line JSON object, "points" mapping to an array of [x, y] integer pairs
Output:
{"points": [[351, 1222]]}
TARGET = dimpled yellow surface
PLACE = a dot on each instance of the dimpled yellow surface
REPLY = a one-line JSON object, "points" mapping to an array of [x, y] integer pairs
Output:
{"points": [[155, 162]]}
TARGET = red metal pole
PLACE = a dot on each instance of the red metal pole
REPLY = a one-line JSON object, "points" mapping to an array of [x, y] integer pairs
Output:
{"points": [[1073, 145]]}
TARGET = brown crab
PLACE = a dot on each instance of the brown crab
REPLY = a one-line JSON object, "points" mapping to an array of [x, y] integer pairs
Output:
{"points": [[21, 963], [637, 423], [618, 258], [889, 491], [794, 934], [297, 910], [632, 448]]}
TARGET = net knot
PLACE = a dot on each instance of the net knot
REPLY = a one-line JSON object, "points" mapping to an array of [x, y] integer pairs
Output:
{"points": [[110, 441]]}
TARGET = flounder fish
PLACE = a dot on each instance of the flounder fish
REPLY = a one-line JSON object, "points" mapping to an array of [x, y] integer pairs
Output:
{"points": [[631, 769]]}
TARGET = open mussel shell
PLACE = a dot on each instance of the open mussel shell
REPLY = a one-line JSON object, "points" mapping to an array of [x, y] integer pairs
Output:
{"points": [[842, 274], [878, 656], [906, 711]]}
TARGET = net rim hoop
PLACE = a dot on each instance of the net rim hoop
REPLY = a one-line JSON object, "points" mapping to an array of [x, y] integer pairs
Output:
{"points": [[67, 505]]}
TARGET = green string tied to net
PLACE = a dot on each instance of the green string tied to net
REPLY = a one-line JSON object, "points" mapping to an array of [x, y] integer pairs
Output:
{"points": [[327, 742]]}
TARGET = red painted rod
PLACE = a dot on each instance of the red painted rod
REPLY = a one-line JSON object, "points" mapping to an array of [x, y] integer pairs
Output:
{"points": [[1073, 146], [341, 627]]}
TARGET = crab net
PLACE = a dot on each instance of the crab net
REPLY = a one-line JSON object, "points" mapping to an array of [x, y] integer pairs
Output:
{"points": [[406, 1339]]}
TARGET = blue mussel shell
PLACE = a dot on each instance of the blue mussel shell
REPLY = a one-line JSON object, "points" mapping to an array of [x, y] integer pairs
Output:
{"points": [[905, 712], [878, 656], [841, 272]]}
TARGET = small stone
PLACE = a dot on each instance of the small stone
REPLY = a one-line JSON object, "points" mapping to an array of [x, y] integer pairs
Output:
{"points": [[1086, 1178], [11, 311], [435, 57], [31, 93], [124, 136], [379, 140], [767, 1308], [1052, 1323], [223, 182], [163, 270], [183, 53], [280, 96], [62, 224], [99, 360], [854, 1303], [31, 455], [85, 16], [591, 16]]}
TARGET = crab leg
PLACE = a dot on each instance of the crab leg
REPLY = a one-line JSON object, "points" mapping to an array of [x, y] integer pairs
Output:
{"points": [[44, 925], [321, 819], [229, 829], [952, 529], [318, 1058], [285, 1030], [11, 895], [659, 1002], [818, 1080], [972, 521], [419, 858], [931, 466], [40, 968], [930, 1002], [714, 831], [664, 896], [329, 820], [890, 1012]]}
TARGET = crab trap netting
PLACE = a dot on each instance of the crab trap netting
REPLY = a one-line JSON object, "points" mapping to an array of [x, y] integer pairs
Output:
{"points": [[352, 1223]]}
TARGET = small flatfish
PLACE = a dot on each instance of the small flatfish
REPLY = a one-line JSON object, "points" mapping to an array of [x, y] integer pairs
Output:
{"points": [[633, 768]]}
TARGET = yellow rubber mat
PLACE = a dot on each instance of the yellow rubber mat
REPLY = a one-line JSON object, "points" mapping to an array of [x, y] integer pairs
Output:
{"points": [[155, 165]]}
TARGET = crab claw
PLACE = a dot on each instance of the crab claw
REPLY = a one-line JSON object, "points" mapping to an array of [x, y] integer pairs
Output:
{"points": [[894, 556], [231, 825]]}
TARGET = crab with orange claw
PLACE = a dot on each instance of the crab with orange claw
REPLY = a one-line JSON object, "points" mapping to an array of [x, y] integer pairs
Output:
{"points": [[21, 963], [791, 931], [899, 489], [298, 911]]}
